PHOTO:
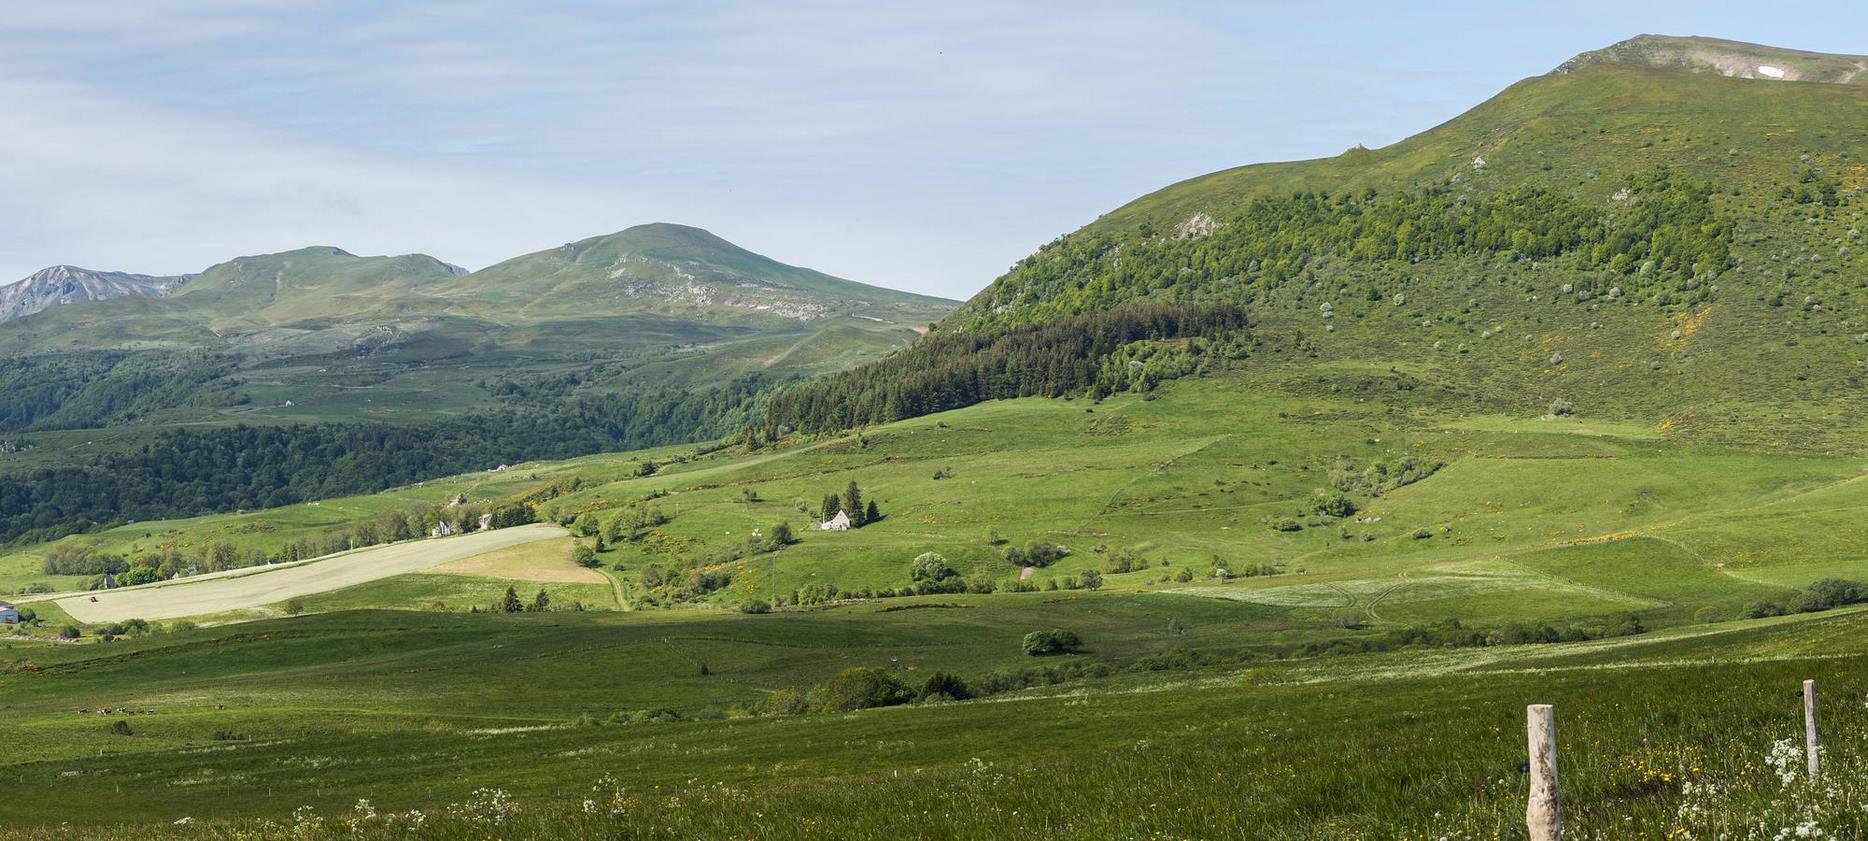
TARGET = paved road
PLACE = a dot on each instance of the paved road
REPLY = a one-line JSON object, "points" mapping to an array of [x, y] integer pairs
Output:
{"points": [[194, 597]]}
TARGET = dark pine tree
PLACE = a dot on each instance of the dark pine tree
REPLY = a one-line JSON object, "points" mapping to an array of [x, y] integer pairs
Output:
{"points": [[853, 503]]}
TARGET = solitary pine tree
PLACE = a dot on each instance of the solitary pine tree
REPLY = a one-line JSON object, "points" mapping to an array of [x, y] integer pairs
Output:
{"points": [[872, 513], [540, 602], [510, 604], [853, 503]]}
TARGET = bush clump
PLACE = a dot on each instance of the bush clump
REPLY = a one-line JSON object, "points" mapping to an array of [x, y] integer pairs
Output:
{"points": [[1054, 641], [944, 687], [1823, 595], [861, 689]]}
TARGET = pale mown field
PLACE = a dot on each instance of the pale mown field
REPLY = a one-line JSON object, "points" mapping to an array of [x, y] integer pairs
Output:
{"points": [[269, 586], [547, 561]]}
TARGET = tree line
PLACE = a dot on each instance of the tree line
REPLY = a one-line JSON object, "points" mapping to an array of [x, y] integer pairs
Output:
{"points": [[88, 389], [190, 472], [952, 370]]}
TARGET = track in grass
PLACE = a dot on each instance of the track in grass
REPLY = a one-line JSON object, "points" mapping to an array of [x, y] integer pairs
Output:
{"points": [[269, 586]]}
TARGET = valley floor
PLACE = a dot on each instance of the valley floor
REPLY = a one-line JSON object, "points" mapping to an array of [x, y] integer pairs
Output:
{"points": [[1305, 612]]}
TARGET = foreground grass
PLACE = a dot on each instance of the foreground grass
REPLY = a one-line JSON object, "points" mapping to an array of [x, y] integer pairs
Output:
{"points": [[1658, 735]]}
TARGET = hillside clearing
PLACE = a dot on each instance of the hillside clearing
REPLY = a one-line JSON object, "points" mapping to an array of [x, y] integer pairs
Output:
{"points": [[541, 560], [192, 598]]}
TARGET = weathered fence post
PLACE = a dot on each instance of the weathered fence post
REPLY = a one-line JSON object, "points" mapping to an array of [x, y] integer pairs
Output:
{"points": [[1541, 814], [1811, 746]]}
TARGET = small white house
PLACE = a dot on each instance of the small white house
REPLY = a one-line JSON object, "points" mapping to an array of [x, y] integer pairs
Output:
{"points": [[9, 615], [841, 522]]}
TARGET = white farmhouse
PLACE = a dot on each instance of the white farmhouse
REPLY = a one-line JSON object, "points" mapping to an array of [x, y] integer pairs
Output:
{"points": [[841, 522]]}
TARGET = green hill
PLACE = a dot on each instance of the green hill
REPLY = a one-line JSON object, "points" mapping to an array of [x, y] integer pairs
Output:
{"points": [[676, 269], [1558, 402], [657, 334], [323, 299], [1629, 234], [342, 338]]}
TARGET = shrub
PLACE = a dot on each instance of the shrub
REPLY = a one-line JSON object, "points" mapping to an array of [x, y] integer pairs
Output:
{"points": [[69, 632], [945, 687], [1822, 595], [294, 607], [783, 702], [755, 606], [658, 715], [860, 689], [1040, 553], [584, 556], [1054, 641], [1120, 560], [1332, 503], [930, 566], [120, 728], [1562, 408]]}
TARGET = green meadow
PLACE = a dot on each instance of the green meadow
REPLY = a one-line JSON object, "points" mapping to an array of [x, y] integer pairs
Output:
{"points": [[1295, 582], [522, 726], [1216, 690]]}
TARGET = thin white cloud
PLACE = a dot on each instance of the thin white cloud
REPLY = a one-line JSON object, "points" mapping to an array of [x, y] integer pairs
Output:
{"points": [[132, 189], [926, 146]]}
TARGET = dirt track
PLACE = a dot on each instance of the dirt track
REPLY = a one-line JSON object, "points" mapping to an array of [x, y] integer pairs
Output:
{"points": [[176, 599]]}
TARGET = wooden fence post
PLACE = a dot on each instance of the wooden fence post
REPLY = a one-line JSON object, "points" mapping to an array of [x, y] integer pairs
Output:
{"points": [[1541, 814], [1811, 746]]}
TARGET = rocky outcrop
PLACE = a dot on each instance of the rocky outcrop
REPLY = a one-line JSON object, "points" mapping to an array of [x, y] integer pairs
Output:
{"points": [[70, 285], [1727, 58]]}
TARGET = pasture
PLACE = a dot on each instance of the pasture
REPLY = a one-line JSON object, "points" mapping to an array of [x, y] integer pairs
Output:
{"points": [[514, 745], [248, 589], [1215, 669]]}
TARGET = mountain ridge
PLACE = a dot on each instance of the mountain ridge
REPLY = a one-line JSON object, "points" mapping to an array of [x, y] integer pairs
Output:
{"points": [[1736, 59], [65, 284], [1633, 236]]}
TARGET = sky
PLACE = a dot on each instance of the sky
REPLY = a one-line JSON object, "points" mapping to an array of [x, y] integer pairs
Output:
{"points": [[923, 146]]}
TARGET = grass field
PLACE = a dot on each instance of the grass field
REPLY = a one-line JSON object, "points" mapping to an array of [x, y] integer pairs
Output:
{"points": [[548, 561], [1524, 519], [219, 593], [1192, 710], [1230, 751]]}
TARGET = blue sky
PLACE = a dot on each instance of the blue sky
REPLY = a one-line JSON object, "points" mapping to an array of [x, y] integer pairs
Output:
{"points": [[918, 147]]}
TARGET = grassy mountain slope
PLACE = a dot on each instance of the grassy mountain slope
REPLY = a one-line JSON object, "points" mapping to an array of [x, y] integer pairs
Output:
{"points": [[1653, 241], [319, 334], [676, 269], [1577, 130]]}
